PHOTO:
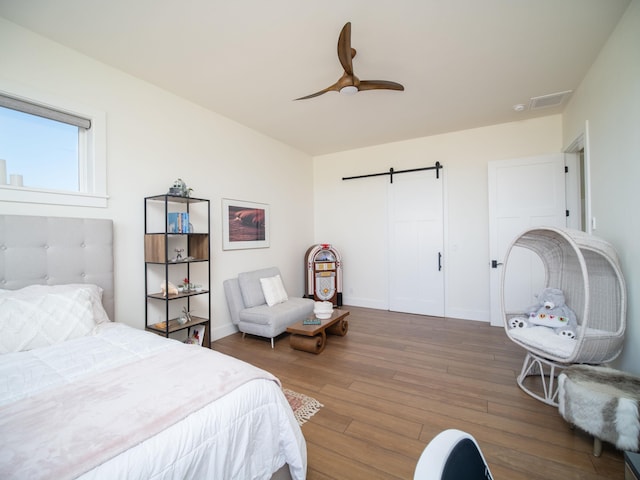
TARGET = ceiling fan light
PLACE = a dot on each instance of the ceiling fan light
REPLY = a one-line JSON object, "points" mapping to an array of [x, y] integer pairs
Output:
{"points": [[349, 90]]}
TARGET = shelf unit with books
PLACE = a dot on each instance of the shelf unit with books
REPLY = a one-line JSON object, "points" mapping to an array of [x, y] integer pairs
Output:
{"points": [[177, 246]]}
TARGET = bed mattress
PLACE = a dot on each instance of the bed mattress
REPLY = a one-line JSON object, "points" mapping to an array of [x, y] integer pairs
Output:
{"points": [[249, 432]]}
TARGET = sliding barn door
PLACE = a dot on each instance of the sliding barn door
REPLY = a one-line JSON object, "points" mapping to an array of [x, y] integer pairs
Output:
{"points": [[415, 229]]}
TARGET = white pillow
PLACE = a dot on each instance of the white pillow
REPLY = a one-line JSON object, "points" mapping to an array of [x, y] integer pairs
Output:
{"points": [[273, 290], [31, 291], [31, 320]]}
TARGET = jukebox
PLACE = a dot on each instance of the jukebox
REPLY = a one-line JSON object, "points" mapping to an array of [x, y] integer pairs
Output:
{"points": [[324, 274]]}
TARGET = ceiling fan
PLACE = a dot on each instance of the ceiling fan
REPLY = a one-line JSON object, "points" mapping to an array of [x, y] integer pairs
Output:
{"points": [[350, 84]]}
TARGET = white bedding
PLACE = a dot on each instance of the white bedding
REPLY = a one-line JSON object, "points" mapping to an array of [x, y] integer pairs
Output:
{"points": [[248, 433]]}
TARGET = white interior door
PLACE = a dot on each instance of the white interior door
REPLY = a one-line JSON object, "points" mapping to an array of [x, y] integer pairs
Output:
{"points": [[522, 193], [416, 231], [574, 191]]}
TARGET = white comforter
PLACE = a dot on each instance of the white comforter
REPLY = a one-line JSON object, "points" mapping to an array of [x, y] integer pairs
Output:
{"points": [[248, 433]]}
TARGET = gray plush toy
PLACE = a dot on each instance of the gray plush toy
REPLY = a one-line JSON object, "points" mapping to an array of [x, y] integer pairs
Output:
{"points": [[550, 311]]}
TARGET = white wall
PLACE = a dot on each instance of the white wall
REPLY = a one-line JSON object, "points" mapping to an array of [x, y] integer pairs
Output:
{"points": [[148, 149], [609, 99], [154, 137], [351, 214]]}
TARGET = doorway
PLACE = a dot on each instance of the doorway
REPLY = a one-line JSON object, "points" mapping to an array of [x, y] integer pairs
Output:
{"points": [[579, 183], [416, 239], [523, 193]]}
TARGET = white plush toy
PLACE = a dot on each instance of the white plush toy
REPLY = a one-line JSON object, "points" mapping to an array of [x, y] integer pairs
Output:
{"points": [[550, 311]]}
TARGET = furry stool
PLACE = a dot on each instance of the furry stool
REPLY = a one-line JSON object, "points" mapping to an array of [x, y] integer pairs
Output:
{"points": [[603, 402]]}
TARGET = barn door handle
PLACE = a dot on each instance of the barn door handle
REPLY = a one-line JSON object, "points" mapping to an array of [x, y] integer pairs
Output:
{"points": [[439, 261], [495, 263]]}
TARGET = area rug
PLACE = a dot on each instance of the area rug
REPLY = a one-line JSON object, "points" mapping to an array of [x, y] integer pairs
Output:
{"points": [[303, 407]]}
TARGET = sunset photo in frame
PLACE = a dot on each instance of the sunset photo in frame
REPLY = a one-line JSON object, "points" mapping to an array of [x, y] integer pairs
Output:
{"points": [[244, 224]]}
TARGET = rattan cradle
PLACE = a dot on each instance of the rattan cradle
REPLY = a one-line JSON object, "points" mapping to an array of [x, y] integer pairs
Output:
{"points": [[587, 270]]}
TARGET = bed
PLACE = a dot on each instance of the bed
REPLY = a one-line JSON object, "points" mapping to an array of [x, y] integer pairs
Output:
{"points": [[84, 397]]}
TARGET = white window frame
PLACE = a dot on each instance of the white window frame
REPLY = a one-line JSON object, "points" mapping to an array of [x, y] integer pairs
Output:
{"points": [[92, 154]]}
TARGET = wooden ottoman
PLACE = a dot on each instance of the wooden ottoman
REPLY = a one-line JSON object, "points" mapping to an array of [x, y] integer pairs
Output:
{"points": [[603, 402]]}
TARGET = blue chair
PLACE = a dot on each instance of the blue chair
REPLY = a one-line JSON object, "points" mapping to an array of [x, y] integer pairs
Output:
{"points": [[452, 455]]}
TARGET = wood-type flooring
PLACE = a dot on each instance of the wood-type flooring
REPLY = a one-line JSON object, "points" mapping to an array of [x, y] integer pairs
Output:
{"points": [[396, 380]]}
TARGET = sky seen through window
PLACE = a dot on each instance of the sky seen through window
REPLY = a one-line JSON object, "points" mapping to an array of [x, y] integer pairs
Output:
{"points": [[43, 151]]}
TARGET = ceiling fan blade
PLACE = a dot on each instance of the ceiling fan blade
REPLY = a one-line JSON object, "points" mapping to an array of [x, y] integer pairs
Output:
{"points": [[332, 88], [345, 52], [379, 85], [348, 82]]}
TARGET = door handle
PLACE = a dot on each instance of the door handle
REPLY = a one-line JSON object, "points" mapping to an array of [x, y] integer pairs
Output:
{"points": [[439, 261], [495, 263]]}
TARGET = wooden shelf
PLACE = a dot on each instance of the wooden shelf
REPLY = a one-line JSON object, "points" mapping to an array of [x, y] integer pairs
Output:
{"points": [[160, 296], [174, 326], [155, 247], [176, 199]]}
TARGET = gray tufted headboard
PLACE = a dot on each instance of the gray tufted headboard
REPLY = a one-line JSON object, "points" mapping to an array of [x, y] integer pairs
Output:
{"points": [[57, 250]]}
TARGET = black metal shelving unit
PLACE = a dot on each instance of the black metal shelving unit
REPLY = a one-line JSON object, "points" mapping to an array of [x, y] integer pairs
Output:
{"points": [[157, 256]]}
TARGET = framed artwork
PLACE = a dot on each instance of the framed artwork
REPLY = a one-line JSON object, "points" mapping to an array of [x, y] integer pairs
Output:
{"points": [[196, 335], [244, 225]]}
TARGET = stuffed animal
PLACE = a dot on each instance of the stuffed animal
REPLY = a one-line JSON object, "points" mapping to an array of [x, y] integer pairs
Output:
{"points": [[550, 311]]}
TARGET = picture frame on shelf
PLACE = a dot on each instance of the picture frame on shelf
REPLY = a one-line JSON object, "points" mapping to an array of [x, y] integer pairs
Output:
{"points": [[196, 335], [244, 224]]}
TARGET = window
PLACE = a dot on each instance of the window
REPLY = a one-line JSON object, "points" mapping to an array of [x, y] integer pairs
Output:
{"points": [[52, 152]]}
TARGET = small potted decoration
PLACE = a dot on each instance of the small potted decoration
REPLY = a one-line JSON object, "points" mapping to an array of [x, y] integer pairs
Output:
{"points": [[185, 317], [180, 189], [186, 285]]}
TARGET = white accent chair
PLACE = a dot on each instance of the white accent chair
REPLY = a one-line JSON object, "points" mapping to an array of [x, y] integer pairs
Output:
{"points": [[250, 312], [587, 270]]}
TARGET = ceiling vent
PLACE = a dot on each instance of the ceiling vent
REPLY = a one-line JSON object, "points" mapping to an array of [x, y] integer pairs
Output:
{"points": [[551, 100]]}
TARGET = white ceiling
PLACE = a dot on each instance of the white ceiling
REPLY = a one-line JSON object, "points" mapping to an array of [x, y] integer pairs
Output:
{"points": [[463, 63]]}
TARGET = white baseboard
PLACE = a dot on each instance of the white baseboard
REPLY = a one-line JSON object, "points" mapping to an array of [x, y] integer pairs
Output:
{"points": [[462, 314], [365, 303], [221, 331]]}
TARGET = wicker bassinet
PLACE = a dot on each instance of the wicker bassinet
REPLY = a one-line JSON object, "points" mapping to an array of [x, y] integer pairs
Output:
{"points": [[587, 270]]}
